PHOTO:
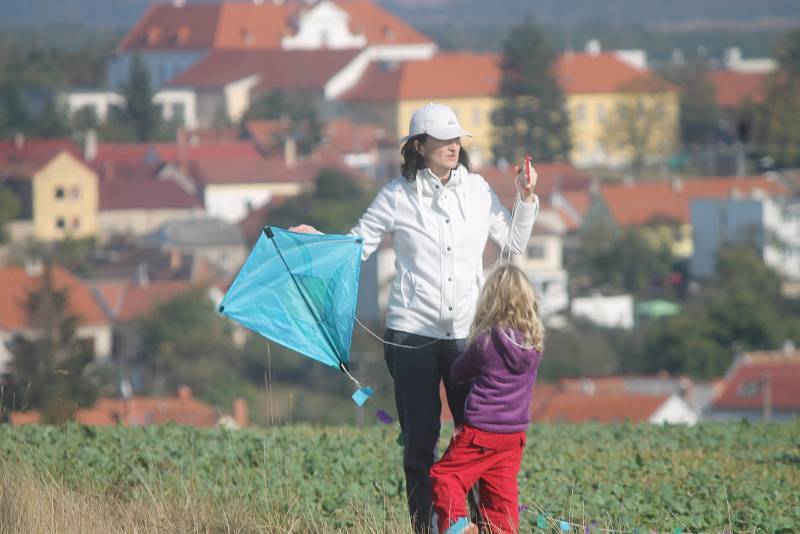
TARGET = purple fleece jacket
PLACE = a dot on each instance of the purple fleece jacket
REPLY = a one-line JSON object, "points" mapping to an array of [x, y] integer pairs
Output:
{"points": [[503, 373]]}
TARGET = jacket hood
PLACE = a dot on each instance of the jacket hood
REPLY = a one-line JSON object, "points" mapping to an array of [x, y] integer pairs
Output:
{"points": [[509, 344]]}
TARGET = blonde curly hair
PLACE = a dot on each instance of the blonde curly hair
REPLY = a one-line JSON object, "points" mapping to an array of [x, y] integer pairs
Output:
{"points": [[509, 301]]}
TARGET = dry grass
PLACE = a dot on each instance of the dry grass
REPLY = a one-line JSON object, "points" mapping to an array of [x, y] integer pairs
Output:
{"points": [[31, 503]]}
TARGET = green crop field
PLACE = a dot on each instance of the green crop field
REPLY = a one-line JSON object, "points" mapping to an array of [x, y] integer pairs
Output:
{"points": [[734, 477]]}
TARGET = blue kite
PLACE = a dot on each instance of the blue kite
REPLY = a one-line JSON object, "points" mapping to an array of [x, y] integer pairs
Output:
{"points": [[300, 290]]}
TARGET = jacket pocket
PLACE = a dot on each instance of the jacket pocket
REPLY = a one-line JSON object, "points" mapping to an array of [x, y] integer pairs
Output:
{"points": [[404, 287]]}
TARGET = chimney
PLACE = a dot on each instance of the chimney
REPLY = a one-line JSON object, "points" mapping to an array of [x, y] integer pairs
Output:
{"points": [[174, 259], [290, 152], [184, 393], [181, 142], [90, 145], [240, 412], [34, 267], [108, 170], [19, 140], [178, 3], [593, 47], [142, 278], [676, 185]]}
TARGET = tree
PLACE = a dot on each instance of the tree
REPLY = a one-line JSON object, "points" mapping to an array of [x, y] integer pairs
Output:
{"points": [[777, 125], [139, 107], [532, 114], [700, 114], [303, 124], [13, 112], [336, 203], [637, 126], [630, 260], [9, 209], [49, 366]]}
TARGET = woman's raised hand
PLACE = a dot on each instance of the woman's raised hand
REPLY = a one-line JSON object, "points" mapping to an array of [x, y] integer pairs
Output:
{"points": [[526, 180], [304, 229]]}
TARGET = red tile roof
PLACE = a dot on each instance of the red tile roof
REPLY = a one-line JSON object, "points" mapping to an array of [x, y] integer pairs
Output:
{"points": [[154, 153], [268, 170], [604, 73], [140, 300], [164, 26], [744, 385], [643, 202], [182, 409], [347, 137], [246, 25], [572, 407], [446, 75], [552, 177], [732, 89], [36, 149], [253, 223], [277, 69], [144, 193], [17, 284], [266, 133]]}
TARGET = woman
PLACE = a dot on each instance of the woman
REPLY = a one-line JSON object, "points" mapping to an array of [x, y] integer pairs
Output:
{"points": [[440, 216]]}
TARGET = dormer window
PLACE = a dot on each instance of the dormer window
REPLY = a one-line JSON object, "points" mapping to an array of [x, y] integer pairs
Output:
{"points": [[749, 388], [248, 37], [183, 34]]}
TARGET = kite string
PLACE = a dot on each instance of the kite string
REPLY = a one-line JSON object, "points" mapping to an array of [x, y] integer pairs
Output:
{"points": [[376, 336]]}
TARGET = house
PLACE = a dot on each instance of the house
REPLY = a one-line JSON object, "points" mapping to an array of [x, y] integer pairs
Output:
{"points": [[607, 311], [171, 38], [760, 386], [596, 85], [93, 326], [57, 191], [136, 202], [211, 238], [663, 207], [232, 189], [653, 399], [182, 409], [388, 93], [772, 226]]}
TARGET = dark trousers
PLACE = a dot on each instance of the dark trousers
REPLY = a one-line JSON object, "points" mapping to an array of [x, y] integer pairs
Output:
{"points": [[416, 374]]}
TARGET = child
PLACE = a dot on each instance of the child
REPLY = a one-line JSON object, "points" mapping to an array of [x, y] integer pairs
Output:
{"points": [[506, 347]]}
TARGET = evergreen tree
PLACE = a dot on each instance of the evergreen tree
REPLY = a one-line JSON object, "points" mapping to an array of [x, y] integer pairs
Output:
{"points": [[48, 366], [139, 107], [778, 121], [532, 116], [9, 209], [700, 113], [13, 113]]}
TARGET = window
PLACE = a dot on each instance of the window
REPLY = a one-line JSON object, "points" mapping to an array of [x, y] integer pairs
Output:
{"points": [[76, 223], [750, 388], [536, 251], [580, 113], [60, 223], [59, 193], [601, 112], [74, 192]]}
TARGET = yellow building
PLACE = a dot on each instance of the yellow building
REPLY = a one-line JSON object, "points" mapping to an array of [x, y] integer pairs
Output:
{"points": [[597, 87], [618, 112], [466, 82], [58, 195]]}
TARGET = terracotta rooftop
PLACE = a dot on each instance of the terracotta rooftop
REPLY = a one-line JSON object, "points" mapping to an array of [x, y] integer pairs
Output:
{"points": [[155, 153], [744, 385], [182, 409], [732, 89], [643, 202], [571, 407], [144, 193], [347, 137], [276, 69], [140, 300], [446, 75], [552, 177], [579, 73], [267, 170], [252, 224], [17, 284], [247, 25]]}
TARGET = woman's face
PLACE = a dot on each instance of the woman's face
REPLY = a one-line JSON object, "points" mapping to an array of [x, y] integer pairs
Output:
{"points": [[440, 155]]}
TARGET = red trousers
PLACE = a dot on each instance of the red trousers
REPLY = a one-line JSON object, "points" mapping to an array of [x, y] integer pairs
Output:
{"points": [[476, 455]]}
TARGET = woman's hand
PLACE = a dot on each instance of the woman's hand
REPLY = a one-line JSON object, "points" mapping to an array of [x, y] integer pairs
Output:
{"points": [[525, 187], [304, 229]]}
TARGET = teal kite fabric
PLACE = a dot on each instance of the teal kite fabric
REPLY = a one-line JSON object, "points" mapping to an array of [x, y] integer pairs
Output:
{"points": [[300, 290]]}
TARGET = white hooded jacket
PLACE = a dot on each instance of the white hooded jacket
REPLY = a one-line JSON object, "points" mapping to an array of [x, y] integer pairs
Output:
{"points": [[439, 234]]}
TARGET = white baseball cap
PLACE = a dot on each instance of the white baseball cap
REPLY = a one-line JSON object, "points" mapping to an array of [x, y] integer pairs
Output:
{"points": [[436, 120]]}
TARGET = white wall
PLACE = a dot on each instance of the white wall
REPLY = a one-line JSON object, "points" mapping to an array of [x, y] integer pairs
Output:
{"points": [[99, 101], [674, 411], [609, 312], [324, 26], [173, 100]]}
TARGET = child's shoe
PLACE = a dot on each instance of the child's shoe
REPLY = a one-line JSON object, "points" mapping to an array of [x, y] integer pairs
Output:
{"points": [[462, 526]]}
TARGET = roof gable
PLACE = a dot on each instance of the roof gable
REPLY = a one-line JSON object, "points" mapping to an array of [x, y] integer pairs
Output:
{"points": [[745, 385]]}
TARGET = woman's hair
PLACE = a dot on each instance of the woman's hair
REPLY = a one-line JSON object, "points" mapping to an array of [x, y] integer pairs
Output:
{"points": [[412, 160], [508, 301]]}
